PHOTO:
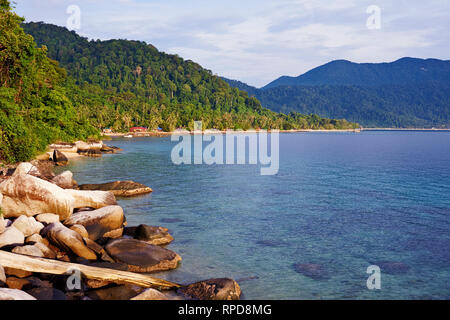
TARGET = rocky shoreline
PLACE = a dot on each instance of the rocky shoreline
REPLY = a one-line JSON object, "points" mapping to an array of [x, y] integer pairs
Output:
{"points": [[54, 233]]}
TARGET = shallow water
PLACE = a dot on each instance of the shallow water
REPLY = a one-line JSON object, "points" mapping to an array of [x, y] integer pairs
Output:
{"points": [[341, 201]]}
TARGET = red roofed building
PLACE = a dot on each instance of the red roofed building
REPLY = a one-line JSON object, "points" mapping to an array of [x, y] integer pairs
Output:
{"points": [[138, 129]]}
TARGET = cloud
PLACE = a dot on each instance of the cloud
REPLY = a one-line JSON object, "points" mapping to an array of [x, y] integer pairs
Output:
{"points": [[258, 41]]}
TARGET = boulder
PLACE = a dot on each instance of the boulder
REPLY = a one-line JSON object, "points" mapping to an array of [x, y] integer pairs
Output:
{"points": [[34, 239], [26, 168], [2, 223], [11, 236], [45, 168], [14, 294], [114, 234], [30, 250], [214, 289], [92, 199], [122, 292], [65, 180], [119, 188], [98, 222], [47, 294], [28, 195], [150, 294], [47, 218], [27, 225], [141, 256], [68, 240], [46, 251], [2, 276], [81, 230], [60, 158]]}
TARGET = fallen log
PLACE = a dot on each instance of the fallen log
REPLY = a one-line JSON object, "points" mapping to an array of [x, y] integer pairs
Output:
{"points": [[40, 265]]}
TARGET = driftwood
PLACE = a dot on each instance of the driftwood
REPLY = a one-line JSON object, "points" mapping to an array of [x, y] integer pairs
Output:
{"points": [[40, 265]]}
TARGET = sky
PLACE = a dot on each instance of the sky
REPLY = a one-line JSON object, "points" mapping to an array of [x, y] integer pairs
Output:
{"points": [[257, 41]]}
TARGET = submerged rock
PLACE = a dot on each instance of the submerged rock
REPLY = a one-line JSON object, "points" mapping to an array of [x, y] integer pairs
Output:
{"points": [[14, 294], [311, 270], [154, 235], [392, 267], [119, 188], [141, 256], [68, 240], [98, 222], [213, 289]]}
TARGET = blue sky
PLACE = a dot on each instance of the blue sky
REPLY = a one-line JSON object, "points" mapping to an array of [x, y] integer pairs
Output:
{"points": [[258, 41]]}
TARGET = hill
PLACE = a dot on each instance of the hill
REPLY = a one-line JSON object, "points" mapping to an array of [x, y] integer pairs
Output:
{"points": [[406, 93], [122, 83]]}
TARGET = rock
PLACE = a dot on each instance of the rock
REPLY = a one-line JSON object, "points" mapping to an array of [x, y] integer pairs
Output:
{"points": [[123, 292], [2, 276], [33, 251], [14, 294], [11, 236], [48, 253], [38, 283], [150, 294], [27, 225], [114, 234], [98, 222], [141, 256], [68, 240], [45, 169], [119, 188], [34, 239], [28, 195], [47, 294], [17, 272], [93, 199], [158, 236], [109, 149], [65, 180], [311, 270], [17, 283], [47, 218], [98, 249], [26, 168], [392, 267], [81, 230], [2, 223], [59, 158], [214, 289]]}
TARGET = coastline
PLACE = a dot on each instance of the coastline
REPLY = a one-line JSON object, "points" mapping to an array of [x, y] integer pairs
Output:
{"points": [[49, 224]]}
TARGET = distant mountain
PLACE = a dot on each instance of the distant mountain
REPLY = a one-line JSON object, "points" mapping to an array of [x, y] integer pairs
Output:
{"points": [[406, 93], [343, 72]]}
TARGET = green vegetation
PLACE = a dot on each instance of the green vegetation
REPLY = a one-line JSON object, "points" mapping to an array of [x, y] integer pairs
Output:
{"points": [[118, 84], [34, 108], [113, 84]]}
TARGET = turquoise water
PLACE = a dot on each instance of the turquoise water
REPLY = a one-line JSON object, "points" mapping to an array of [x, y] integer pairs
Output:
{"points": [[342, 201]]}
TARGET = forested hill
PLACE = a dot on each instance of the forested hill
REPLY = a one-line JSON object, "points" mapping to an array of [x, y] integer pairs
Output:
{"points": [[400, 72], [121, 83], [405, 93]]}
